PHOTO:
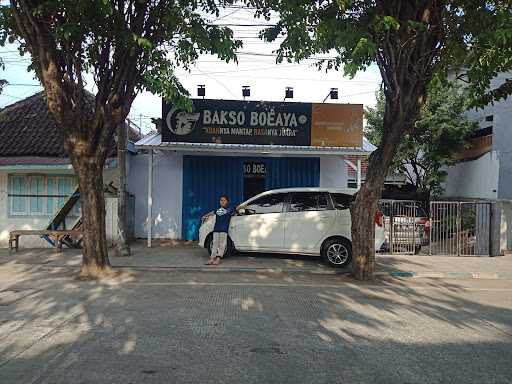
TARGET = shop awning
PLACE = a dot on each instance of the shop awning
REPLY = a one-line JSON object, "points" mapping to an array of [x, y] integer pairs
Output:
{"points": [[154, 141]]}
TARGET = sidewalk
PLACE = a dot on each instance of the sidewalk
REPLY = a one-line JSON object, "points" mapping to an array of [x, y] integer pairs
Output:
{"points": [[445, 266], [190, 258]]}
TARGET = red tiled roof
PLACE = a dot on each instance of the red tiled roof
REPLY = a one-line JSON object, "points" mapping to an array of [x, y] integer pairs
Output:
{"points": [[27, 128]]}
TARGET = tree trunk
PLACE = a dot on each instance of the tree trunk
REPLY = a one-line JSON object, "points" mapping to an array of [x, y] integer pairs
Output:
{"points": [[123, 247], [365, 206], [95, 261], [406, 62]]}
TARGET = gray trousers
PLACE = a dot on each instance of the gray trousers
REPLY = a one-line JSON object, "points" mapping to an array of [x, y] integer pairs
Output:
{"points": [[219, 244]]}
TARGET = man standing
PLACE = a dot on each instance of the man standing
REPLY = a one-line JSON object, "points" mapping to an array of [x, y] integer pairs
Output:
{"points": [[220, 230]]}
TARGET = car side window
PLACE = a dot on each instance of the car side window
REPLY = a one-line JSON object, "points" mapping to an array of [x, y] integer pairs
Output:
{"points": [[308, 201], [341, 200], [267, 204]]}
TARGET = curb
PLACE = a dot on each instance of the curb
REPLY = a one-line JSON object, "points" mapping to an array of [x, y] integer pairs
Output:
{"points": [[238, 269], [215, 269], [333, 272], [444, 275]]}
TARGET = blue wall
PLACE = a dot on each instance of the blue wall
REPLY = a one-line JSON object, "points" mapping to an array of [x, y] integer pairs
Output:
{"points": [[205, 178]]}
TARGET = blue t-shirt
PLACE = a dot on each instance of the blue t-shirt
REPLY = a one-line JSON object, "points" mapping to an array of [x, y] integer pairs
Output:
{"points": [[222, 219]]}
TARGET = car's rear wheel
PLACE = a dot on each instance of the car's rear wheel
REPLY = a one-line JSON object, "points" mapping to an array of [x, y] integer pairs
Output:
{"points": [[337, 252]]}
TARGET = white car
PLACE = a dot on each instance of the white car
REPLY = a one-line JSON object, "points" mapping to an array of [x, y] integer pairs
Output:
{"points": [[310, 221]]}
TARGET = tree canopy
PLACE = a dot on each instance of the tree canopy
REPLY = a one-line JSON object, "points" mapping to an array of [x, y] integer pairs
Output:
{"points": [[411, 42], [125, 46], [440, 131], [475, 36], [143, 41]]}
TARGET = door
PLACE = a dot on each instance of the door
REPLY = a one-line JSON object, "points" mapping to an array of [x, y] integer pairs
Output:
{"points": [[261, 227], [254, 178], [310, 216]]}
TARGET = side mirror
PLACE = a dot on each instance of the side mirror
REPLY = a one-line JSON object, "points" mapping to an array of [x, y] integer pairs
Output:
{"points": [[241, 211]]}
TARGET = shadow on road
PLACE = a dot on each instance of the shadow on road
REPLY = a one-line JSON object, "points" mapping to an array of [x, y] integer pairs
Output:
{"points": [[201, 328]]}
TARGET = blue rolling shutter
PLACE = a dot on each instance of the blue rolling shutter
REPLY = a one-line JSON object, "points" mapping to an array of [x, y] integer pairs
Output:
{"points": [[292, 172], [205, 178]]}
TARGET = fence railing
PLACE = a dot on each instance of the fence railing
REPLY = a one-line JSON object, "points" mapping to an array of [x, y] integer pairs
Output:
{"points": [[452, 228], [460, 228]]}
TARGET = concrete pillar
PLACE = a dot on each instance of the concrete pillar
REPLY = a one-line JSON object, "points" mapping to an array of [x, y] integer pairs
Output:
{"points": [[150, 197], [358, 177]]}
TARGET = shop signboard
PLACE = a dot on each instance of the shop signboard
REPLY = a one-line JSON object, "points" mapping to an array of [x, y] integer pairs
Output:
{"points": [[266, 123], [337, 125]]}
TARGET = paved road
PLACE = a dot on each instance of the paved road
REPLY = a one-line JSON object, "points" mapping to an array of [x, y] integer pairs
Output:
{"points": [[167, 327]]}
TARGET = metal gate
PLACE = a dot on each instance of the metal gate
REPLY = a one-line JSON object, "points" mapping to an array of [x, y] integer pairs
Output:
{"points": [[460, 228], [405, 223]]}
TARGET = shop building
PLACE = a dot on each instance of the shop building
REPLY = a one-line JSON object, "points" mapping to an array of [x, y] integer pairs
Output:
{"points": [[239, 148]]}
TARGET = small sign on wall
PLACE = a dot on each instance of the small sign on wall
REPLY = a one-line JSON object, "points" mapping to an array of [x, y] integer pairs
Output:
{"points": [[254, 168]]}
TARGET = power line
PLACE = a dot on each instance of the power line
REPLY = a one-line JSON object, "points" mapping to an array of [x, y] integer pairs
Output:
{"points": [[242, 25], [275, 55], [233, 74], [22, 85], [255, 69]]}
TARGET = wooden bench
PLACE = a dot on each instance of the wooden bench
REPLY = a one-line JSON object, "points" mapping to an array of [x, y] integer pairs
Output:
{"points": [[59, 235]]}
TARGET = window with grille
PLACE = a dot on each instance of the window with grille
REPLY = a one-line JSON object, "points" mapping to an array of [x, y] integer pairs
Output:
{"points": [[40, 195]]}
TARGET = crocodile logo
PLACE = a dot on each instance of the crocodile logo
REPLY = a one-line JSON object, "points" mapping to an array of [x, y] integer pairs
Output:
{"points": [[181, 122]]}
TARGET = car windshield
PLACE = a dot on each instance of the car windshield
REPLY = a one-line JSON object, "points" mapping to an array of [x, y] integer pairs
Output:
{"points": [[266, 204], [342, 200]]}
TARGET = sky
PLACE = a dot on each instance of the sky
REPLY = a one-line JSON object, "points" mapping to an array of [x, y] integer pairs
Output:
{"points": [[256, 68]]}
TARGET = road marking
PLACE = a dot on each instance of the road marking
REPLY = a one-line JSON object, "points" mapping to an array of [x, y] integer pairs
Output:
{"points": [[341, 285]]}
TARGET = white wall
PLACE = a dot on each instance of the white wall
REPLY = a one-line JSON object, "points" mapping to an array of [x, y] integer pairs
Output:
{"points": [[333, 172], [493, 171], [9, 223], [168, 188], [474, 179], [167, 193]]}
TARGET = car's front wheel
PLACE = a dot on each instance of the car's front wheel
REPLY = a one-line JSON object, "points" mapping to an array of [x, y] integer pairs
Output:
{"points": [[337, 252]]}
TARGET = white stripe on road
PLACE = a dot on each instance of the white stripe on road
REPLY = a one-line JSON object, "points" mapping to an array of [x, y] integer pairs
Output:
{"points": [[305, 285]]}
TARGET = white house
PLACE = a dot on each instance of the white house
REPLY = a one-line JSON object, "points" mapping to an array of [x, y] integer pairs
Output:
{"points": [[485, 169], [36, 176]]}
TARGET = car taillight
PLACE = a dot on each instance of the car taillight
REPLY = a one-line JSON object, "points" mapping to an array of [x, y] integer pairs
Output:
{"points": [[379, 218], [425, 221]]}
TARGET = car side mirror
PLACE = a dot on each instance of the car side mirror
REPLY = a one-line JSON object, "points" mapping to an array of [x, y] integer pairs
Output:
{"points": [[241, 211]]}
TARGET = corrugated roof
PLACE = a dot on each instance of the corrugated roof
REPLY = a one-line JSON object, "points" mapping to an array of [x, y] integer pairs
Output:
{"points": [[154, 141]]}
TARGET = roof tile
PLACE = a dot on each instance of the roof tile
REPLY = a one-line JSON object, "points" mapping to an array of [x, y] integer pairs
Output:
{"points": [[27, 128]]}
